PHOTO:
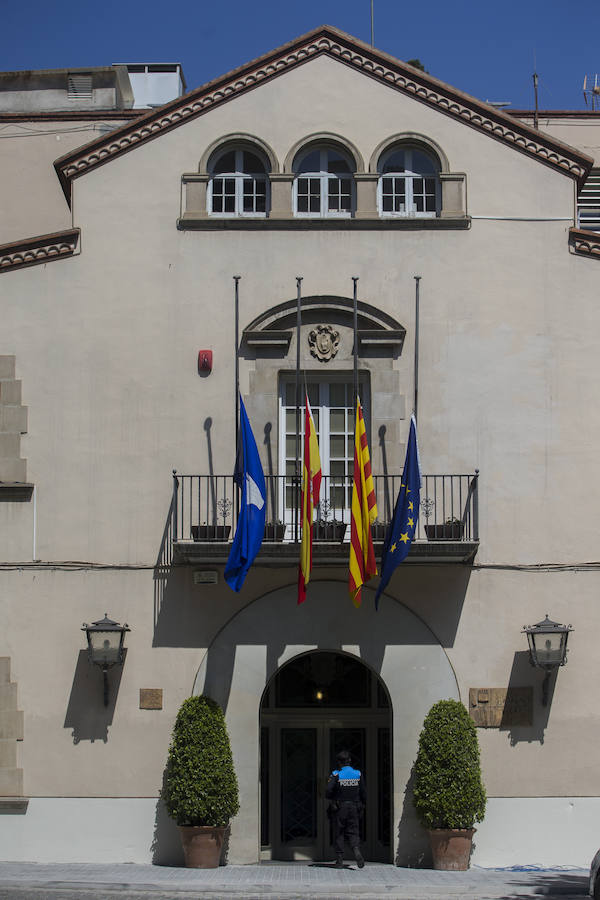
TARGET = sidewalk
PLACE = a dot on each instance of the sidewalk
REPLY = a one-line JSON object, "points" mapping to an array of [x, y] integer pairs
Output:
{"points": [[283, 881]]}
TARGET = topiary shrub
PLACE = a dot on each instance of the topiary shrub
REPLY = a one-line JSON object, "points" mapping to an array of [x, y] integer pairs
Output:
{"points": [[448, 790], [200, 783]]}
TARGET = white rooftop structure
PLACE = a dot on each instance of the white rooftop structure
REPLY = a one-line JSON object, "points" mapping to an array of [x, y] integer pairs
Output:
{"points": [[154, 84]]}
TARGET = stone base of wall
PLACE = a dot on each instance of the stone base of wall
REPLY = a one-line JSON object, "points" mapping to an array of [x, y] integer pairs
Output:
{"points": [[547, 831]]}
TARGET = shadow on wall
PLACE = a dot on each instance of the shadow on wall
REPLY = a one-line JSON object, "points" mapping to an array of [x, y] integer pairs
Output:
{"points": [[523, 673], [163, 561], [86, 713], [413, 850], [166, 843]]}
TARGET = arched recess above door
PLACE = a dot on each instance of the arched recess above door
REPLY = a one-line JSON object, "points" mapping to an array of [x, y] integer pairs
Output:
{"points": [[274, 328]]}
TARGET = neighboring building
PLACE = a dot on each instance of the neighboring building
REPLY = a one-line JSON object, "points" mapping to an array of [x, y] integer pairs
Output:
{"points": [[155, 84], [580, 129], [47, 113], [327, 160]]}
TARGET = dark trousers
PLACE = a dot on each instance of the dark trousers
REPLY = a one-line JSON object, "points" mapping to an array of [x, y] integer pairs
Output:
{"points": [[346, 826]]}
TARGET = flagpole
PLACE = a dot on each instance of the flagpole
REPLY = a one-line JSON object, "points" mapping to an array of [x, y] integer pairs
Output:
{"points": [[298, 326], [355, 304], [236, 279], [416, 397]]}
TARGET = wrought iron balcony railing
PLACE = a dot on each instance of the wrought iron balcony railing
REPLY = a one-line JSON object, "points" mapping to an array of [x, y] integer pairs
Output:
{"points": [[205, 508]]}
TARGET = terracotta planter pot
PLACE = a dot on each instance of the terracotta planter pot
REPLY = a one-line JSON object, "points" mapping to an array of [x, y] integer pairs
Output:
{"points": [[451, 848], [202, 845]]}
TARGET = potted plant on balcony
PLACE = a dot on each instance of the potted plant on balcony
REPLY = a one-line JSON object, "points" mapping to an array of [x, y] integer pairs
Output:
{"points": [[451, 530], [201, 790], [379, 530], [274, 531], [327, 527], [449, 795], [215, 531]]}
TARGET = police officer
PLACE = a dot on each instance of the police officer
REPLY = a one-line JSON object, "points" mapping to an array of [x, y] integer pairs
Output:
{"points": [[347, 795]]}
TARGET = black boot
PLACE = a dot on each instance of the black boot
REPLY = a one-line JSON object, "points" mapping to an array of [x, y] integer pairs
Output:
{"points": [[339, 860], [358, 857]]}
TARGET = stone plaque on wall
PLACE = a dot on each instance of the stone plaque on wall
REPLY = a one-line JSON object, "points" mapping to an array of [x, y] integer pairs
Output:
{"points": [[151, 698], [501, 707]]}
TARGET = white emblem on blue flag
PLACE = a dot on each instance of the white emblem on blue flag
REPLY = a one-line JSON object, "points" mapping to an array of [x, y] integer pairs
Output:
{"points": [[253, 494]]}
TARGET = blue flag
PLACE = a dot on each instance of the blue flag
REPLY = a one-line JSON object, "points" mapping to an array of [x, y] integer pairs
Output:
{"points": [[406, 513], [249, 477]]}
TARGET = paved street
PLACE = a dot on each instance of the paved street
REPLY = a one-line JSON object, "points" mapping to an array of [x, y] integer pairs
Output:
{"points": [[299, 881]]}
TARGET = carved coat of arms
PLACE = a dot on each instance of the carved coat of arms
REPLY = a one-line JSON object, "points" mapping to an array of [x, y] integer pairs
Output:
{"points": [[324, 342]]}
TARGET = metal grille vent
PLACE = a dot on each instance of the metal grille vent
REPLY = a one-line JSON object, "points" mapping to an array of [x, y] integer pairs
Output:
{"points": [[79, 87], [588, 203]]}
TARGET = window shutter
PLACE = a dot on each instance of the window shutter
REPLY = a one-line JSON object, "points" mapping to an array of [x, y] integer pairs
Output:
{"points": [[588, 203]]}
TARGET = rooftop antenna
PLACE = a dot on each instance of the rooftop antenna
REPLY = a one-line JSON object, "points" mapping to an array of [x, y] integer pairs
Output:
{"points": [[535, 92], [372, 25], [591, 91]]}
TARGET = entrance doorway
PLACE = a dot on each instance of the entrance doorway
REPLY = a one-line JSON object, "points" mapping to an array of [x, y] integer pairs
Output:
{"points": [[316, 705]]}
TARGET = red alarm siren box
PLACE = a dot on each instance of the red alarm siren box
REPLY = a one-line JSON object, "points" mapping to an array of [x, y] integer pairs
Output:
{"points": [[205, 360]]}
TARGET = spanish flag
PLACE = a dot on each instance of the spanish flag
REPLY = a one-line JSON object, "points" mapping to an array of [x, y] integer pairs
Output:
{"points": [[364, 513], [311, 488]]}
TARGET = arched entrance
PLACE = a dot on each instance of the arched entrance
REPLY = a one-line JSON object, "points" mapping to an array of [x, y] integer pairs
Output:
{"points": [[316, 705], [273, 630]]}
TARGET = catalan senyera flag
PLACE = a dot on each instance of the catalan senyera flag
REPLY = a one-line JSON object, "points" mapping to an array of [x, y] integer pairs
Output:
{"points": [[311, 489], [364, 513]]}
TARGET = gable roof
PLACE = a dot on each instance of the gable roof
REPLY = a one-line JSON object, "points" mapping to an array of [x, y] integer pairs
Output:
{"points": [[352, 52]]}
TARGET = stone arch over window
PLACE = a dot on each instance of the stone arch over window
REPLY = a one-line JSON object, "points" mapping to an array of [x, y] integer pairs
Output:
{"points": [[328, 139], [414, 179], [324, 167], [238, 179], [248, 167], [243, 141], [425, 144], [269, 632]]}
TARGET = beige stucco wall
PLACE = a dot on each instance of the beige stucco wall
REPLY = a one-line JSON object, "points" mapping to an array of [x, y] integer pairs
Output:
{"points": [[106, 346], [32, 198]]}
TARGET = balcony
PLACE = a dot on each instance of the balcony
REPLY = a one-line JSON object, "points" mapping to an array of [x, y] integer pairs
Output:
{"points": [[205, 507]]}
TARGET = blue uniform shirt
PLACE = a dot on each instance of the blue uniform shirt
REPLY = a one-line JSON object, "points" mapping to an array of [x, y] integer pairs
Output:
{"points": [[345, 784]]}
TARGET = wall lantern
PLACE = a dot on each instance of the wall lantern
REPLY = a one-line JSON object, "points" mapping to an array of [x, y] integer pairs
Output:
{"points": [[547, 648], [105, 646]]}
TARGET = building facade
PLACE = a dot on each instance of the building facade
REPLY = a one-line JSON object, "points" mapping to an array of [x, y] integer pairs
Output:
{"points": [[322, 168]]}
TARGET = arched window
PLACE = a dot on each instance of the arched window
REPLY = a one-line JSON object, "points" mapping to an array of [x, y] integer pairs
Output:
{"points": [[238, 184], [324, 185], [409, 183]]}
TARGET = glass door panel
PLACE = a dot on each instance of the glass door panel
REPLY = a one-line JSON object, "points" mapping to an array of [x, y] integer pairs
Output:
{"points": [[298, 786]]}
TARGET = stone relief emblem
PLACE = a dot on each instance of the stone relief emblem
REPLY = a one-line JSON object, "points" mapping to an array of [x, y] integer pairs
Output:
{"points": [[324, 342]]}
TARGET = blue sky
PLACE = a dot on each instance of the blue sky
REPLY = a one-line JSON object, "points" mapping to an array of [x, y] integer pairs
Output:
{"points": [[484, 48]]}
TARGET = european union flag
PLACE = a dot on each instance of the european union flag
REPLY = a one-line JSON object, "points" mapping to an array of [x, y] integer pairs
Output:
{"points": [[406, 513], [249, 477]]}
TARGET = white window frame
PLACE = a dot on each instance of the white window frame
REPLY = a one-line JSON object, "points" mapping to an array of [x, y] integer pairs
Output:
{"points": [[324, 434], [408, 177], [324, 177], [239, 177]]}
